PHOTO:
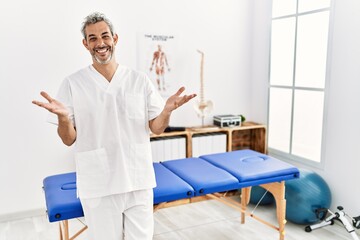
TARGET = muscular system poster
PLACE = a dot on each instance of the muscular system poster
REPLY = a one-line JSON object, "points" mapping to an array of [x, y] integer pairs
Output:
{"points": [[156, 57]]}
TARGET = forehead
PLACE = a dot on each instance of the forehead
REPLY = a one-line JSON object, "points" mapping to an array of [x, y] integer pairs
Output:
{"points": [[97, 28]]}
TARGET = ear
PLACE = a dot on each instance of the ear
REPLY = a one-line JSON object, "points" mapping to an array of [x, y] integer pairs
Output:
{"points": [[85, 43], [116, 38]]}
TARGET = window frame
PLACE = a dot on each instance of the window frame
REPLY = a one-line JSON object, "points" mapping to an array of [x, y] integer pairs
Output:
{"points": [[289, 156]]}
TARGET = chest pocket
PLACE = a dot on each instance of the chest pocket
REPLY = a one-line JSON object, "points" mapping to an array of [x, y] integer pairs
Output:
{"points": [[135, 106]]}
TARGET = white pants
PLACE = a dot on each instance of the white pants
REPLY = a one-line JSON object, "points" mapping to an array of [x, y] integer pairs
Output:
{"points": [[122, 216]]}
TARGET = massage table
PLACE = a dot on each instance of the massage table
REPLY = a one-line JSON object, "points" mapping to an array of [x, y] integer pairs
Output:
{"points": [[180, 180]]}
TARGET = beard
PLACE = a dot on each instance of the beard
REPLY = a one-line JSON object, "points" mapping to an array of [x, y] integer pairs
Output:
{"points": [[103, 61]]}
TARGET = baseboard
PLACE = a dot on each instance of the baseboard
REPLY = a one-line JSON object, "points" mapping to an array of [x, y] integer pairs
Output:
{"points": [[22, 214]]}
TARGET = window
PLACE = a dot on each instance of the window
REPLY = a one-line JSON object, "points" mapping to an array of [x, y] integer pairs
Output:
{"points": [[299, 40]]}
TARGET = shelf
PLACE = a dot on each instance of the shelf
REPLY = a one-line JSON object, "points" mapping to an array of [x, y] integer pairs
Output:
{"points": [[249, 135]]}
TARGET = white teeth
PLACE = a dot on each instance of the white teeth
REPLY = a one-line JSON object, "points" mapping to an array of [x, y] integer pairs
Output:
{"points": [[102, 50]]}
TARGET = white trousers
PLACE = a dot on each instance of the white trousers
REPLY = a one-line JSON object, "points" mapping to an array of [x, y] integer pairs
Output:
{"points": [[122, 216]]}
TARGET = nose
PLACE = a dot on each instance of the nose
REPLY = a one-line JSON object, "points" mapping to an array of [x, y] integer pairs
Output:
{"points": [[100, 42]]}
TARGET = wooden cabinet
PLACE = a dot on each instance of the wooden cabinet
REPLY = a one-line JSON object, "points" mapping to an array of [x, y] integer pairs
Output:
{"points": [[249, 135]]}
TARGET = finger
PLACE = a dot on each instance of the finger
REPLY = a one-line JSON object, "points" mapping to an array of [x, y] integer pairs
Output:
{"points": [[181, 90], [44, 105], [187, 98], [40, 104], [36, 103], [191, 96], [46, 96], [182, 100]]}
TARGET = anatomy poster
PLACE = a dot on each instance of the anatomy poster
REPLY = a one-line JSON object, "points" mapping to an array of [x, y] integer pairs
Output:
{"points": [[156, 57]]}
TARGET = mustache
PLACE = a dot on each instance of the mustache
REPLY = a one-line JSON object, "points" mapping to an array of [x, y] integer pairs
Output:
{"points": [[102, 47]]}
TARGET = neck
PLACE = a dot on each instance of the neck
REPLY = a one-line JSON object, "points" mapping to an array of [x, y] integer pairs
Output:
{"points": [[107, 70]]}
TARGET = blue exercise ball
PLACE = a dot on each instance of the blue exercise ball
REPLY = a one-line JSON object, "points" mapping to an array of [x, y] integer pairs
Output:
{"points": [[304, 195], [257, 194]]}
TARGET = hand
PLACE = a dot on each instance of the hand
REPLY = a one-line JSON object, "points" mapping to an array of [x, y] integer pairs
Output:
{"points": [[175, 101], [53, 106]]}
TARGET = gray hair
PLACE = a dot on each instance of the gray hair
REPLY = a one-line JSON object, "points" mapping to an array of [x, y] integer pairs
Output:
{"points": [[94, 18]]}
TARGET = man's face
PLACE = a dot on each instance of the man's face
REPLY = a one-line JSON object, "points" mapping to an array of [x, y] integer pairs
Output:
{"points": [[100, 42]]}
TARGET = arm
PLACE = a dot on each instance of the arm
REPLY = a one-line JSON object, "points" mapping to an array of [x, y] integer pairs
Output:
{"points": [[158, 124], [166, 62], [66, 129], [153, 61]]}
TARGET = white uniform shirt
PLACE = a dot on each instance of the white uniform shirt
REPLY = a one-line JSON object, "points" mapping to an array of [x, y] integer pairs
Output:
{"points": [[113, 151]]}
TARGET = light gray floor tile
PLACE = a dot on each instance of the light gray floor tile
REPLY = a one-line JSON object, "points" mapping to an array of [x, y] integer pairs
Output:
{"points": [[207, 220]]}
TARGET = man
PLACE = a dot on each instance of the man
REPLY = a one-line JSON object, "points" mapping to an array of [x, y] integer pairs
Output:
{"points": [[109, 110], [160, 59]]}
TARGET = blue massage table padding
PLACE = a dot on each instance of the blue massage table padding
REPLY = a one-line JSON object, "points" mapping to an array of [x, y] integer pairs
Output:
{"points": [[61, 200], [202, 176], [169, 186], [179, 179], [62, 203], [252, 168]]}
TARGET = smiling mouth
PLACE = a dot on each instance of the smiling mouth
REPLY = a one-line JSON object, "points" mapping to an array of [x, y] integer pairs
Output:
{"points": [[102, 50]]}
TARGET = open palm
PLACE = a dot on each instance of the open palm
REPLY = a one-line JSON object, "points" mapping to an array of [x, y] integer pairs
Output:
{"points": [[175, 101], [53, 105]]}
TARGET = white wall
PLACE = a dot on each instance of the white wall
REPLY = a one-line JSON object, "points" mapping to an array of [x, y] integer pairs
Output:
{"points": [[41, 44], [341, 158], [342, 161]]}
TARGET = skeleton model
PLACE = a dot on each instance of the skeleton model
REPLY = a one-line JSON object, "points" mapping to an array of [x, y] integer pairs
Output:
{"points": [[202, 107]]}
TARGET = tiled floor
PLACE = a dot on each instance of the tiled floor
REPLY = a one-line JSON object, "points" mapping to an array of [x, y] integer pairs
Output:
{"points": [[206, 220]]}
